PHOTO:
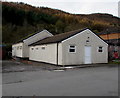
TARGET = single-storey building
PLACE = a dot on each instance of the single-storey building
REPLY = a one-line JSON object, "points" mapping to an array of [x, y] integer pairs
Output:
{"points": [[71, 48], [21, 49]]}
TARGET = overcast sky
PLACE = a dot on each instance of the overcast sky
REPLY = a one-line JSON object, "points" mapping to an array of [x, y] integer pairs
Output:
{"points": [[77, 6]]}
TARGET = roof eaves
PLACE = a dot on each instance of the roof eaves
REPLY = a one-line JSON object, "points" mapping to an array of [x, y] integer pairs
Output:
{"points": [[99, 36], [18, 42], [44, 43], [22, 40]]}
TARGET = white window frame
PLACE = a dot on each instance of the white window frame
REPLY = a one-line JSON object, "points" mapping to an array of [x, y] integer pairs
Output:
{"points": [[72, 48], [102, 49]]}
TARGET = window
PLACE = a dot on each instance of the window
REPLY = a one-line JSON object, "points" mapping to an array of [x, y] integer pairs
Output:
{"points": [[36, 48], [72, 48], [20, 47], [43, 48], [87, 41], [32, 48], [100, 49]]}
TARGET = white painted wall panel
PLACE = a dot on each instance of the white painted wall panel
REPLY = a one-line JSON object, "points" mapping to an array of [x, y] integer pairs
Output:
{"points": [[60, 54], [24, 52], [48, 55], [79, 41], [17, 50], [13, 50], [39, 36]]}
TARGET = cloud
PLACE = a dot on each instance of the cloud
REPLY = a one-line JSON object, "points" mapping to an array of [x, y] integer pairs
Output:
{"points": [[46, 1], [119, 9]]}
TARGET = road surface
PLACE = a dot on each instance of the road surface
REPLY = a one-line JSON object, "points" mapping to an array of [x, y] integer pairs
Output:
{"points": [[91, 81]]}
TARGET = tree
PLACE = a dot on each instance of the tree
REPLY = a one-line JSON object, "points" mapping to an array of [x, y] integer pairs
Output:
{"points": [[60, 26]]}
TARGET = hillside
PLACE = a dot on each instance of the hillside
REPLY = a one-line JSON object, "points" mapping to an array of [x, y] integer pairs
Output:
{"points": [[20, 20]]}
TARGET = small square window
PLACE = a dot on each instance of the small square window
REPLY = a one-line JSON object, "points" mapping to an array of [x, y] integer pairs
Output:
{"points": [[32, 48], [72, 48], [36, 48], [43, 48], [100, 49], [87, 41], [20, 47]]}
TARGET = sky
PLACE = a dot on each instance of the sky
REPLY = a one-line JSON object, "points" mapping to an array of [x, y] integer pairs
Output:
{"points": [[77, 6]]}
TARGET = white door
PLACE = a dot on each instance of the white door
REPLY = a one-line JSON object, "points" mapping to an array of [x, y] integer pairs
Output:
{"points": [[87, 55]]}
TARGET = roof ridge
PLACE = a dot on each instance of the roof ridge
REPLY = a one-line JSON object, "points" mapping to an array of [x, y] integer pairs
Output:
{"points": [[58, 37], [30, 35]]}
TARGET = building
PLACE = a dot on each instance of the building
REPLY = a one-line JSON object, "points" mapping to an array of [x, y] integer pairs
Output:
{"points": [[71, 48], [21, 49], [112, 37]]}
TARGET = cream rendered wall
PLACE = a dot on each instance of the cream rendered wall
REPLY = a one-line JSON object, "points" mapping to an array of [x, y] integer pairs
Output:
{"points": [[17, 51], [60, 54], [48, 55], [39, 36], [79, 40], [25, 51], [13, 50]]}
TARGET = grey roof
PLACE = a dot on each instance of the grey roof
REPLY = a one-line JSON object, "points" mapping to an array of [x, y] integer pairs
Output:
{"points": [[29, 36], [58, 38]]}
